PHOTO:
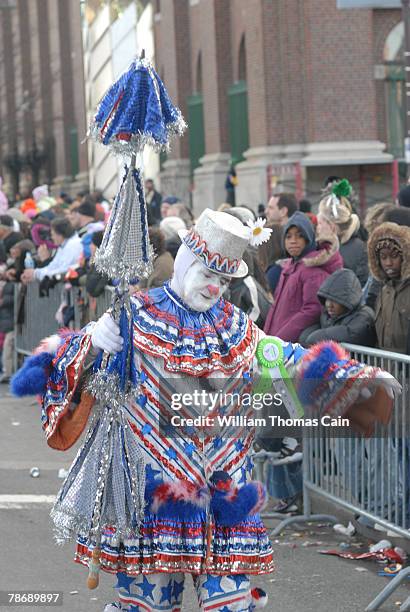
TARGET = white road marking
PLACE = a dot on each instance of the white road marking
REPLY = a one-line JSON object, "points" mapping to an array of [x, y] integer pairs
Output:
{"points": [[20, 500]]}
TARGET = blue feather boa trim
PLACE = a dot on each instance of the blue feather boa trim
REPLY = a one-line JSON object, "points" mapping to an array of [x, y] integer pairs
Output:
{"points": [[31, 378]]}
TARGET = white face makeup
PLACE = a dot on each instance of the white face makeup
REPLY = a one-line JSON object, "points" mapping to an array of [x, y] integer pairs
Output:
{"points": [[201, 288]]}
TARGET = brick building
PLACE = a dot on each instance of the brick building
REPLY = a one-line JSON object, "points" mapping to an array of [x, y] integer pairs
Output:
{"points": [[42, 110], [291, 90]]}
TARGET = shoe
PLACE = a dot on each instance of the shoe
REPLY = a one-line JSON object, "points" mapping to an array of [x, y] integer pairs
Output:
{"points": [[4, 380], [286, 506], [113, 607]]}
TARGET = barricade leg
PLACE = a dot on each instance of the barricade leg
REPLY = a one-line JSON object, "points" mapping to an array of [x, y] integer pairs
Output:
{"points": [[388, 590], [259, 460], [306, 517]]}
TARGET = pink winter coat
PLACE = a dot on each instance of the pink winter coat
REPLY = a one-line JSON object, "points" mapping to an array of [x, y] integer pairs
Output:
{"points": [[295, 305]]}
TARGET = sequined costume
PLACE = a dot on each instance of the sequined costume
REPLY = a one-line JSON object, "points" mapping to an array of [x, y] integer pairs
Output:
{"points": [[177, 351]]}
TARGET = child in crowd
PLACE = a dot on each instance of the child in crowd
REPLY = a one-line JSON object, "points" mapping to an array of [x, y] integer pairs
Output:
{"points": [[343, 318], [389, 259], [296, 305]]}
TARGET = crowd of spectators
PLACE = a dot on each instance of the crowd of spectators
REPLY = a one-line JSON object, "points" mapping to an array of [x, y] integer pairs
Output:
{"points": [[44, 241], [323, 275], [309, 282]]}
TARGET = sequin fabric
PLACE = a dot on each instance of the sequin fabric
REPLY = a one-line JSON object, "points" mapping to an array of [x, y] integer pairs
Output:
{"points": [[167, 545], [125, 251], [135, 111]]}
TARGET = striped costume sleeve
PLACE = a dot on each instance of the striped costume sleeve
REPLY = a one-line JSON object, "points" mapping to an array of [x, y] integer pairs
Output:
{"points": [[67, 368]]}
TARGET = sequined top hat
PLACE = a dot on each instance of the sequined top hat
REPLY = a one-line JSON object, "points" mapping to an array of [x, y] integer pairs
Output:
{"points": [[218, 240]]}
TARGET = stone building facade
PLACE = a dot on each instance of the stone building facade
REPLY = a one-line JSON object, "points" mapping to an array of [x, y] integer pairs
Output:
{"points": [[291, 90], [42, 110]]}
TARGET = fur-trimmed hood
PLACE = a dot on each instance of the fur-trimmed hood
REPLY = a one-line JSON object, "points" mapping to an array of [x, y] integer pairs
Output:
{"points": [[327, 246], [399, 233]]}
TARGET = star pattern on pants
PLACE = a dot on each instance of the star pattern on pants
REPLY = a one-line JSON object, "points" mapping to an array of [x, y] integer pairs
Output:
{"points": [[213, 585], [238, 579], [124, 581], [146, 587], [166, 592], [177, 589]]}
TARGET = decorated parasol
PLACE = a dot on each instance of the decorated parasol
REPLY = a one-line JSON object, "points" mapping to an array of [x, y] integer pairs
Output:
{"points": [[105, 486]]}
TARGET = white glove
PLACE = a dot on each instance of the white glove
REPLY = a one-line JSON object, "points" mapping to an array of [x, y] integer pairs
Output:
{"points": [[106, 335]]}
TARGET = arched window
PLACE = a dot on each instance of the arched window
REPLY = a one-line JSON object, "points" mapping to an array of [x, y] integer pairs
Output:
{"points": [[196, 119], [242, 60], [395, 90], [394, 45], [238, 109], [198, 80]]}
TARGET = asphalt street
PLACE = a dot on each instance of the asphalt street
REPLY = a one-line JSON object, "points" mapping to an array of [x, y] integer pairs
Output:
{"points": [[304, 581]]}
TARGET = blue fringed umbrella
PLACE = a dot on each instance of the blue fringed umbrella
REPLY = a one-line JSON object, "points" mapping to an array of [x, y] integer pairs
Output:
{"points": [[136, 110]]}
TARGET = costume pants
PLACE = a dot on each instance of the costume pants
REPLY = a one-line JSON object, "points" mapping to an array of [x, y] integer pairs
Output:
{"points": [[163, 592]]}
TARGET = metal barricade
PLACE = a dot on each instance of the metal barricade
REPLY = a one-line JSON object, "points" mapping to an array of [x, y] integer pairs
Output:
{"points": [[369, 477], [35, 316]]}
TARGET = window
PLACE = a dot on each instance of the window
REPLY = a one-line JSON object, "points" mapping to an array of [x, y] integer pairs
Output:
{"points": [[395, 90]]}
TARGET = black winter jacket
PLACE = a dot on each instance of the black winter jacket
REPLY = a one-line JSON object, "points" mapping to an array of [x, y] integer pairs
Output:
{"points": [[355, 326], [7, 308], [249, 295], [354, 253]]}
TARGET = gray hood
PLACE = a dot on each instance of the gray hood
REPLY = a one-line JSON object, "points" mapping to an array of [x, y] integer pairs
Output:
{"points": [[342, 287]]}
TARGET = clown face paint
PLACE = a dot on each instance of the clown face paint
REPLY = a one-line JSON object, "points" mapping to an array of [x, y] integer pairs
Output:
{"points": [[201, 289]]}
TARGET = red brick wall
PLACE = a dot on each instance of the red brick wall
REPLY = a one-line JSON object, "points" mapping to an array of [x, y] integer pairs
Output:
{"points": [[310, 67], [383, 22], [172, 40], [339, 52], [292, 43]]}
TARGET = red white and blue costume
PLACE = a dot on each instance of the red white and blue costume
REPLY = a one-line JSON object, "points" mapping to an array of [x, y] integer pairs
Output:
{"points": [[202, 508]]}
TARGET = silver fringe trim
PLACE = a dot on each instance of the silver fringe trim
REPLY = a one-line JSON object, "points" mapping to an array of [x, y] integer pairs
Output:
{"points": [[139, 140], [105, 387], [105, 486]]}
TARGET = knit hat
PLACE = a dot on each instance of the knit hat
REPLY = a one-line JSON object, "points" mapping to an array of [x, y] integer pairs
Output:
{"points": [[336, 208], [390, 244], [40, 192], [171, 200], [29, 208], [87, 208], [170, 227]]}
